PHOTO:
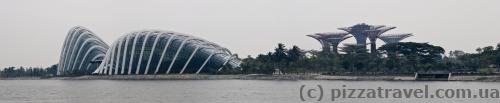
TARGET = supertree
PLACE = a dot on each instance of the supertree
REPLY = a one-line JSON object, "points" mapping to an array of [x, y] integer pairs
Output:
{"points": [[394, 38], [330, 40], [374, 34]]}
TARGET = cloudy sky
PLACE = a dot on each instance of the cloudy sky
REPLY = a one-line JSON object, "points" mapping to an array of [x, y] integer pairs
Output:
{"points": [[32, 31]]}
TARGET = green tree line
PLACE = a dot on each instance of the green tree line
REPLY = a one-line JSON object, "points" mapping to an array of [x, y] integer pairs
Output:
{"points": [[391, 59], [28, 72]]}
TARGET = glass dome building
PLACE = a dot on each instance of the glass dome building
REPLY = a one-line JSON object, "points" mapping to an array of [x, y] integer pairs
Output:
{"points": [[163, 52], [81, 52]]}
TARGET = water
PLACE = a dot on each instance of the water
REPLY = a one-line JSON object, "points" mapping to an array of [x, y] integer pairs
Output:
{"points": [[207, 91]]}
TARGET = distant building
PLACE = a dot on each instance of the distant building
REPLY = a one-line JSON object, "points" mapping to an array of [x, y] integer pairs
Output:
{"points": [[81, 48], [151, 52]]}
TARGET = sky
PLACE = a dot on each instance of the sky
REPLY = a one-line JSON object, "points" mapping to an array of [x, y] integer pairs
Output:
{"points": [[32, 31]]}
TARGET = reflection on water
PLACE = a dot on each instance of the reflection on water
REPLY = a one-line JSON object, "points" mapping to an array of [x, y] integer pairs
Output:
{"points": [[203, 91]]}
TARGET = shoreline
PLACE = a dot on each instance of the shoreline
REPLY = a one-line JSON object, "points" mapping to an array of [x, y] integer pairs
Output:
{"points": [[479, 78]]}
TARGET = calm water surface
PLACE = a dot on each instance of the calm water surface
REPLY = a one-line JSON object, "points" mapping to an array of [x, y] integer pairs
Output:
{"points": [[207, 91]]}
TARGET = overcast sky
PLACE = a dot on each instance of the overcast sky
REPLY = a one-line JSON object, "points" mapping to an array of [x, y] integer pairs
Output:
{"points": [[32, 31]]}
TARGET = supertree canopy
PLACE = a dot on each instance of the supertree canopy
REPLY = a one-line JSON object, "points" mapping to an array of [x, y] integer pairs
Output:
{"points": [[360, 32], [330, 40], [394, 38]]}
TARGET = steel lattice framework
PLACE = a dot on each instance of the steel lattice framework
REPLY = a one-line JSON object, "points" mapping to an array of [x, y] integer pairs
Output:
{"points": [[143, 52], [330, 40], [359, 31], [363, 31], [374, 34], [80, 49], [154, 52], [394, 38]]}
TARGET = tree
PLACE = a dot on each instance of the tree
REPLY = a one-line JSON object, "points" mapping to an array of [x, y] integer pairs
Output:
{"points": [[29, 71], [419, 55], [479, 50], [279, 57], [295, 54], [52, 70], [397, 58], [353, 49], [488, 49], [356, 57], [279, 54], [456, 53]]}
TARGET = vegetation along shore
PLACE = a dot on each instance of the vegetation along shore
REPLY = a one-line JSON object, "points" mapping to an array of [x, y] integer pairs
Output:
{"points": [[484, 78], [355, 63]]}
